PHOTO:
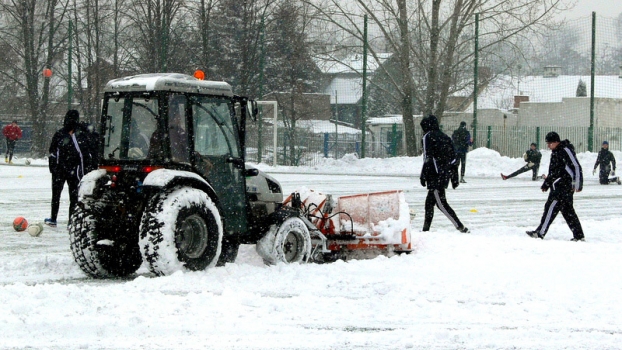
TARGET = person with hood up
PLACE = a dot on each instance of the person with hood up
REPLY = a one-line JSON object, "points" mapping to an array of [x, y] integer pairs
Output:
{"points": [[462, 140], [68, 160], [607, 163], [565, 177], [532, 157], [439, 168], [12, 132]]}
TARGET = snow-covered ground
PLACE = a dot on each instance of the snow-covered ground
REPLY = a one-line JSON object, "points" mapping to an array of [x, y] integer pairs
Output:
{"points": [[494, 288]]}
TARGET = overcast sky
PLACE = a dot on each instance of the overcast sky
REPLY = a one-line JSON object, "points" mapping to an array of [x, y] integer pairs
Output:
{"points": [[607, 8]]}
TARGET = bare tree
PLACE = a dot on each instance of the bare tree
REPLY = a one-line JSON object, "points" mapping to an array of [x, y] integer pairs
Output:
{"points": [[32, 32], [439, 40]]}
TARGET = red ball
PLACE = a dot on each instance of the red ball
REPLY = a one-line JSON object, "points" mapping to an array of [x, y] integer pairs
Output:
{"points": [[20, 224]]}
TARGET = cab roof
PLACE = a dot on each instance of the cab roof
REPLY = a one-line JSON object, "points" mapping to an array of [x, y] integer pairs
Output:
{"points": [[168, 82]]}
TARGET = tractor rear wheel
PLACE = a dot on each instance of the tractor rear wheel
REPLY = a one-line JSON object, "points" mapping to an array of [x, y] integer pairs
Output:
{"points": [[97, 255], [180, 229]]}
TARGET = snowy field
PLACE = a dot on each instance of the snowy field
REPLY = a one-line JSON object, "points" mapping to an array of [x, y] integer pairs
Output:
{"points": [[494, 288]]}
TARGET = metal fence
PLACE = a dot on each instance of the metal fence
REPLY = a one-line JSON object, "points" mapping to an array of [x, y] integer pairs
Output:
{"points": [[310, 149]]}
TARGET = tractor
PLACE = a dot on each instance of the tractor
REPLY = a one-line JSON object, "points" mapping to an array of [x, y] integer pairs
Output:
{"points": [[173, 189]]}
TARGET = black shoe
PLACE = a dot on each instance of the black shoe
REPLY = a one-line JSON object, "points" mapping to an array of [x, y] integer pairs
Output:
{"points": [[618, 181], [534, 234], [462, 181], [463, 229], [578, 240], [534, 178]]}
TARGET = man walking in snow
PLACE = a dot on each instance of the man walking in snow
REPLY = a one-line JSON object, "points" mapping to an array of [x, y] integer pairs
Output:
{"points": [[607, 163], [439, 167], [69, 157], [565, 177], [12, 132], [532, 157], [462, 140]]}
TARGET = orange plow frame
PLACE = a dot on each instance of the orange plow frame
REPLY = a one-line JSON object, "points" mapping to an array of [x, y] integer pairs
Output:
{"points": [[370, 221]]}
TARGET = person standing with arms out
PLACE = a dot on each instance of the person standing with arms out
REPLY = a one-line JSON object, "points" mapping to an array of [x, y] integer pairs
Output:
{"points": [[439, 167], [564, 179], [69, 157], [607, 163], [532, 157], [462, 140], [12, 133]]}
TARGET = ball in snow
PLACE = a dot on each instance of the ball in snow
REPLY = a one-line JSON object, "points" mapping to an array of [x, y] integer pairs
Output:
{"points": [[20, 223], [35, 229]]}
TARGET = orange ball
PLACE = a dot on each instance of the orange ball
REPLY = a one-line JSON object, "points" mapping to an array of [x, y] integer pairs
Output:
{"points": [[47, 72], [20, 224]]}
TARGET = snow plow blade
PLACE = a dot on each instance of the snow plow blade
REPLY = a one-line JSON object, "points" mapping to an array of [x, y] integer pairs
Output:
{"points": [[355, 226]]}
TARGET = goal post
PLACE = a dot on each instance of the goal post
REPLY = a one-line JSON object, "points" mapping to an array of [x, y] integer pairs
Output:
{"points": [[274, 105]]}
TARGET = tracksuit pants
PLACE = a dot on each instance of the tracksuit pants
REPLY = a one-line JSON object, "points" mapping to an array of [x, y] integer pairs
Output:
{"points": [[560, 202], [603, 175], [437, 197], [58, 182], [10, 147], [525, 169], [462, 159]]}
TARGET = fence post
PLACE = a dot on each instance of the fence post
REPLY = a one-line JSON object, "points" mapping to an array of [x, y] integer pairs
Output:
{"points": [[489, 136], [394, 140], [590, 135], [325, 145], [537, 137]]}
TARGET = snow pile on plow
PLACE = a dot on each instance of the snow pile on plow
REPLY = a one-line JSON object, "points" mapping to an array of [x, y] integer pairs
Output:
{"points": [[378, 223]]}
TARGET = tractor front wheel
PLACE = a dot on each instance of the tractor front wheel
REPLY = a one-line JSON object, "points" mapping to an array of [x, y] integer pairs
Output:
{"points": [[287, 243]]}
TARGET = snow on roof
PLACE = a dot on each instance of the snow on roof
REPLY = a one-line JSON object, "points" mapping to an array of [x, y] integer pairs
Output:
{"points": [[345, 90], [385, 119], [350, 64], [500, 92], [320, 126], [169, 82]]}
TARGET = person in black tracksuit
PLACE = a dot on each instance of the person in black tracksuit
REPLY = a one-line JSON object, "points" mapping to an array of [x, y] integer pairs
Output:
{"points": [[439, 167], [607, 163], [70, 158], [532, 157], [462, 140], [565, 177]]}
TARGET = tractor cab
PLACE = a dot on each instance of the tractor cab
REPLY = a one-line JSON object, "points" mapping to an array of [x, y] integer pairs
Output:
{"points": [[176, 122]]}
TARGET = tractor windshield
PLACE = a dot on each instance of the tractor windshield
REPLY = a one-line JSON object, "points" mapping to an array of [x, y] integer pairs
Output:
{"points": [[130, 124]]}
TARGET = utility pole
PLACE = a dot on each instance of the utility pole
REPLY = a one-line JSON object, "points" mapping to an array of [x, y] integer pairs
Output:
{"points": [[475, 80], [69, 83], [364, 97]]}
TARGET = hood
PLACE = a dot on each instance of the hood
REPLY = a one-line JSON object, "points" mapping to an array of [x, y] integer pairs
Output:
{"points": [[429, 123], [71, 120], [565, 143]]}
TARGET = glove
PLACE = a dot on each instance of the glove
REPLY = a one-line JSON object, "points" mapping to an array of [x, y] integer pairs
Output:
{"points": [[422, 181], [594, 172], [530, 164], [525, 156], [613, 173]]}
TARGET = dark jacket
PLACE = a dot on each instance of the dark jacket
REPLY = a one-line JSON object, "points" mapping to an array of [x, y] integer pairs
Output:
{"points": [[605, 157], [533, 156], [70, 154], [462, 139], [565, 173], [439, 157]]}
